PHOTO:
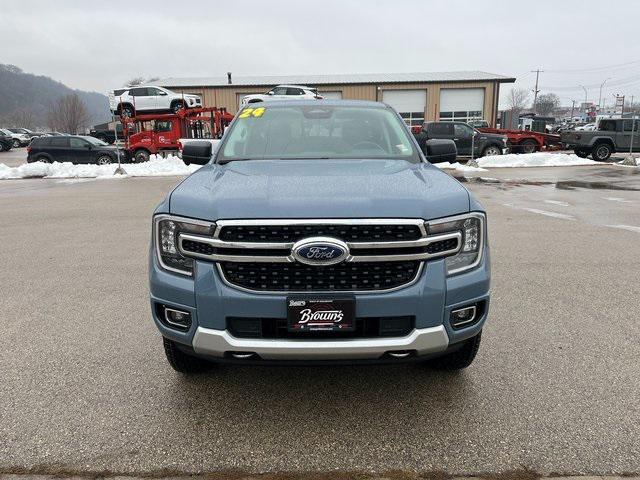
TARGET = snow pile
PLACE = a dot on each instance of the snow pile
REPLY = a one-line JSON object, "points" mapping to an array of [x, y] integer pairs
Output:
{"points": [[538, 159], [459, 166], [155, 167], [630, 161]]}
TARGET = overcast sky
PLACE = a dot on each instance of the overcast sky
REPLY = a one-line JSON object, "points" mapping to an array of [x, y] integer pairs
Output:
{"points": [[98, 45]]}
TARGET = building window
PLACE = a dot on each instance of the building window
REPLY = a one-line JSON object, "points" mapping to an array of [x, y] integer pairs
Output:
{"points": [[412, 118], [460, 116]]}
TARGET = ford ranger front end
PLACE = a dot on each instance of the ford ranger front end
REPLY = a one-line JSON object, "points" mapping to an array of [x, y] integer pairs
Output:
{"points": [[319, 233]]}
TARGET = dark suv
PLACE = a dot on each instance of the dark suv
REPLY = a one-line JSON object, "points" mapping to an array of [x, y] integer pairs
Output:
{"points": [[74, 149]]}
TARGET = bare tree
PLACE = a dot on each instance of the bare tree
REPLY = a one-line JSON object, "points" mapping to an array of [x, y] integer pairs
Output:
{"points": [[547, 104], [518, 100], [68, 114], [135, 81], [23, 118]]}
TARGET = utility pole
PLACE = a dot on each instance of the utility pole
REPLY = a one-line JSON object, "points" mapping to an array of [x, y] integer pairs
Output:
{"points": [[573, 104], [535, 90], [633, 128]]}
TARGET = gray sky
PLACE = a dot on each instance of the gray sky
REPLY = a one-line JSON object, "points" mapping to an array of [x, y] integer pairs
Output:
{"points": [[98, 45]]}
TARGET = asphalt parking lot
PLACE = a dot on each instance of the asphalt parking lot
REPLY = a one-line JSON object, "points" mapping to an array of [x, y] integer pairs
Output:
{"points": [[85, 388]]}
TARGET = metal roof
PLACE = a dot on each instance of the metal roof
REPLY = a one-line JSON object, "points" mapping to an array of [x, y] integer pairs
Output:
{"points": [[340, 79]]}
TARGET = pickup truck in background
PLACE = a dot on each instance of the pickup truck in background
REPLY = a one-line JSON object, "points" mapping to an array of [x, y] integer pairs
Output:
{"points": [[107, 132], [463, 135], [612, 135]]}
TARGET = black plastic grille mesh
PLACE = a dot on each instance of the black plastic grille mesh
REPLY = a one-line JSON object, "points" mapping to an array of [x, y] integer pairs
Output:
{"points": [[293, 233], [291, 277], [442, 245], [369, 327]]}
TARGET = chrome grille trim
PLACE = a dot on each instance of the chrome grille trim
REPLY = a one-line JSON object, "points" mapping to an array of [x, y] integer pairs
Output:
{"points": [[286, 256]]}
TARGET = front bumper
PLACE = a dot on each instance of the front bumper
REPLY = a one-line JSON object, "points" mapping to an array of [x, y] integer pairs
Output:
{"points": [[210, 301], [421, 341]]}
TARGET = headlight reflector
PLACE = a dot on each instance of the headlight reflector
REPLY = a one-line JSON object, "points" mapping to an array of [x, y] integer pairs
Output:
{"points": [[472, 227], [166, 231]]}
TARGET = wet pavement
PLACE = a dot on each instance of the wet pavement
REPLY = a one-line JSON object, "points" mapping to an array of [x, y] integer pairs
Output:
{"points": [[85, 389]]}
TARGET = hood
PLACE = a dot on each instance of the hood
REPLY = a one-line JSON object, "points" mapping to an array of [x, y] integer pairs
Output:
{"points": [[319, 189], [491, 136]]}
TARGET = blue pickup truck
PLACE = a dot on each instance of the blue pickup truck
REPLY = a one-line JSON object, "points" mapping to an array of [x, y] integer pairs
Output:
{"points": [[319, 232]]}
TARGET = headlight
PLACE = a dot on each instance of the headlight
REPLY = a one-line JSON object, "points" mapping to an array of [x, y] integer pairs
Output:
{"points": [[472, 227], [166, 229]]}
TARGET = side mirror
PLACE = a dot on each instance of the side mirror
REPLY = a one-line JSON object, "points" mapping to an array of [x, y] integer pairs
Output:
{"points": [[270, 92], [198, 153], [438, 151]]}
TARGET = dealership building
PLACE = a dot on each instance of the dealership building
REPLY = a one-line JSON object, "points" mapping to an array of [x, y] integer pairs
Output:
{"points": [[445, 96]]}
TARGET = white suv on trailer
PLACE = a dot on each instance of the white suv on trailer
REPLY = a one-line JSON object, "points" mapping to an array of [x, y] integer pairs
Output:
{"points": [[149, 98], [284, 92]]}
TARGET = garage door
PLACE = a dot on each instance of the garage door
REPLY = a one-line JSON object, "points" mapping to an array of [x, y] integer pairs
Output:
{"points": [[461, 104], [410, 104], [331, 95]]}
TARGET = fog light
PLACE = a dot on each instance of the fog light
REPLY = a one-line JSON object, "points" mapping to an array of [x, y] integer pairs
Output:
{"points": [[463, 316], [177, 318]]}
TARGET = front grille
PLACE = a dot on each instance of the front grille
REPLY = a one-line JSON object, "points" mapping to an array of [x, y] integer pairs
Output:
{"points": [[286, 277], [368, 327], [293, 233]]}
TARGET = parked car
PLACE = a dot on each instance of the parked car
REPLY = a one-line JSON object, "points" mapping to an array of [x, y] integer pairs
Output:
{"points": [[337, 241], [146, 99], [25, 131], [613, 135], [6, 142], [17, 139], [74, 149], [462, 134], [284, 92]]}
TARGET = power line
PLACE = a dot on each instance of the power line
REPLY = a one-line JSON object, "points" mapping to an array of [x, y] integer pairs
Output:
{"points": [[594, 69]]}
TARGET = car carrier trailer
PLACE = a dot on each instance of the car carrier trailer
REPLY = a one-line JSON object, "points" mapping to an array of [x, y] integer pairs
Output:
{"points": [[149, 134]]}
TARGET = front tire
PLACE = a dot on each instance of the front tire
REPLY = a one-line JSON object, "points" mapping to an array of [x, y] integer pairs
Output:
{"points": [[141, 156], [491, 150], [177, 106], [16, 143], [601, 152], [461, 358], [181, 362]]}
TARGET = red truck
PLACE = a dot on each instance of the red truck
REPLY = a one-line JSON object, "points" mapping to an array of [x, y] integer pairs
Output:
{"points": [[145, 135]]}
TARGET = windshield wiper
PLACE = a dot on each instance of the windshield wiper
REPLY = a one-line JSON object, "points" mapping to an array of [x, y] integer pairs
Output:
{"points": [[229, 160]]}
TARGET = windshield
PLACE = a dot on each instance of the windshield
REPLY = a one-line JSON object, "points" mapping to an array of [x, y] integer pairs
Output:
{"points": [[94, 141], [317, 132]]}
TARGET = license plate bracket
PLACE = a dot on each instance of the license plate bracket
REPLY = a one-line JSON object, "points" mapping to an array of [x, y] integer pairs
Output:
{"points": [[321, 314]]}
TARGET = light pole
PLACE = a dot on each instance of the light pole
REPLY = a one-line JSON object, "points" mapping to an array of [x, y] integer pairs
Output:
{"points": [[600, 96], [585, 101]]}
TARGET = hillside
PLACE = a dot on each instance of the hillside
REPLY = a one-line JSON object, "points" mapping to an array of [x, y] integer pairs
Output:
{"points": [[20, 91]]}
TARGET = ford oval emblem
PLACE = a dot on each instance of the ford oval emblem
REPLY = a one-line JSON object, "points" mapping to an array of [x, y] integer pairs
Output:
{"points": [[320, 251]]}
